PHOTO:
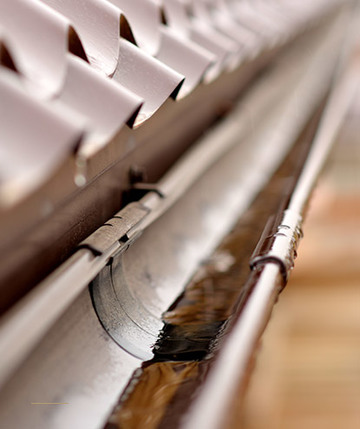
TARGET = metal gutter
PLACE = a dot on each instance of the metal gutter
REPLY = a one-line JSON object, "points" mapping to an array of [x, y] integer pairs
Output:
{"points": [[275, 263], [43, 229], [298, 74]]}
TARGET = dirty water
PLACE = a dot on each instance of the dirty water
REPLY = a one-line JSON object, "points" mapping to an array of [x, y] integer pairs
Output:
{"points": [[161, 391]]}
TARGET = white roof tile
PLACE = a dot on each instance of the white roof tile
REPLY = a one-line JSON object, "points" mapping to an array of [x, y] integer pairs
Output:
{"points": [[97, 22], [85, 68], [35, 138], [37, 38], [105, 104], [144, 17]]}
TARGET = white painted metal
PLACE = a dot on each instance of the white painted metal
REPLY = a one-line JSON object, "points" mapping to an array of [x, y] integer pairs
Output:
{"points": [[65, 355], [237, 147], [116, 79]]}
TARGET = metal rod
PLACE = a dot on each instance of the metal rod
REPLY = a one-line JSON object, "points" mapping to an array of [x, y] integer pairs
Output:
{"points": [[210, 407]]}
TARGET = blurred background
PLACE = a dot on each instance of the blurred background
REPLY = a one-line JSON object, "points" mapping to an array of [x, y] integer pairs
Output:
{"points": [[308, 370]]}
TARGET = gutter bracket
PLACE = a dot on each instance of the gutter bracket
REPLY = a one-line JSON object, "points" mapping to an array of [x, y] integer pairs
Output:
{"points": [[278, 244]]}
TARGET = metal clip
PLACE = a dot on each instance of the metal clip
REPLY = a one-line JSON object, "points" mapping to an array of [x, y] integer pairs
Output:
{"points": [[117, 229], [281, 245]]}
